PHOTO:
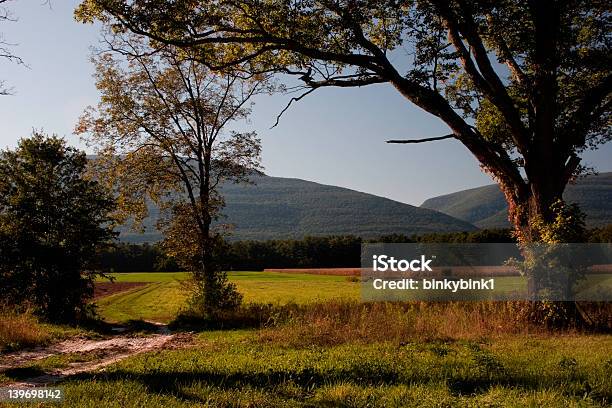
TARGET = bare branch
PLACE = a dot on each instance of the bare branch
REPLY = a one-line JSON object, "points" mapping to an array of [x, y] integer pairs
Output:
{"points": [[427, 139], [294, 99]]}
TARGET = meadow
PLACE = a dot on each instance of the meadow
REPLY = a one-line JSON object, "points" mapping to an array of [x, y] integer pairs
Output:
{"points": [[165, 293], [307, 341]]}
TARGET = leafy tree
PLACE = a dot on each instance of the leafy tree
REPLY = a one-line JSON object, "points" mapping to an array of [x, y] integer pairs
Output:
{"points": [[53, 219], [161, 130], [524, 85]]}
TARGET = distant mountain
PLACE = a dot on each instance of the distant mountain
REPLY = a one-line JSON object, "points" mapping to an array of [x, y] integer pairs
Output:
{"points": [[486, 207], [281, 208]]}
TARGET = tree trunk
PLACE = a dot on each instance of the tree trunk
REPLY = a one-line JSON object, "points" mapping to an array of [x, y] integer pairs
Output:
{"points": [[529, 215]]}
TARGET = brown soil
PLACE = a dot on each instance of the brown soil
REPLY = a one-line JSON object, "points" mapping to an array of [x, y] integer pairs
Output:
{"points": [[102, 289], [103, 353], [321, 271], [439, 271]]}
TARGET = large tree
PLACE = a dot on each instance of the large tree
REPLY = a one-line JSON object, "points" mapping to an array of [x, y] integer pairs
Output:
{"points": [[53, 221], [524, 85], [163, 134]]}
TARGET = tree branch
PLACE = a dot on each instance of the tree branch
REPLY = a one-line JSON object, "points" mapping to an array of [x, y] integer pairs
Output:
{"points": [[506, 55], [424, 140], [481, 72], [589, 108], [294, 99]]}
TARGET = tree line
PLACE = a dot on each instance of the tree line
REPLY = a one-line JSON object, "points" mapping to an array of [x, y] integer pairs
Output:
{"points": [[310, 252]]}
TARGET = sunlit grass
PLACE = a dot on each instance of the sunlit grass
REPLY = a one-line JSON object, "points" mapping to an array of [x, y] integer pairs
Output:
{"points": [[165, 295], [235, 369]]}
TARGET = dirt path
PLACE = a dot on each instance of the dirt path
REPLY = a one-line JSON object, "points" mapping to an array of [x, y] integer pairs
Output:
{"points": [[94, 354]]}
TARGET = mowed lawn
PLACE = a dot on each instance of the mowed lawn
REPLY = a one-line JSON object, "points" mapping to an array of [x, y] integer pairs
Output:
{"points": [[166, 292]]}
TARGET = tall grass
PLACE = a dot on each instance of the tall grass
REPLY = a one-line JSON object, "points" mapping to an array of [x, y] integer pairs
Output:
{"points": [[342, 321], [24, 330], [19, 330]]}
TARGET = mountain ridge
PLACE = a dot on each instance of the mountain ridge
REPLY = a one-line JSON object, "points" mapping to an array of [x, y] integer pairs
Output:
{"points": [[292, 208], [486, 207]]}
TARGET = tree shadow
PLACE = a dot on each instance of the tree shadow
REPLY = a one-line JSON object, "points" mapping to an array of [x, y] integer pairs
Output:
{"points": [[175, 382]]}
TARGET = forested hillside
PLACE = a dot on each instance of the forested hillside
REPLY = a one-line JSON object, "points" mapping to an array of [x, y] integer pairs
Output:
{"points": [[281, 208], [485, 206]]}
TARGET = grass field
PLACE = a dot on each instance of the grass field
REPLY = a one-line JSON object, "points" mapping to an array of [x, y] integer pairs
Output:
{"points": [[165, 295], [321, 347], [237, 369]]}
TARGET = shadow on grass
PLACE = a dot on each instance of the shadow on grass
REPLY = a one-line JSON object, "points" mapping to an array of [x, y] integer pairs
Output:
{"points": [[23, 373], [177, 383], [129, 327]]}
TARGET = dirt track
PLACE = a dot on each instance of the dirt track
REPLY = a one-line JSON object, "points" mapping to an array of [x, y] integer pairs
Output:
{"points": [[99, 353]]}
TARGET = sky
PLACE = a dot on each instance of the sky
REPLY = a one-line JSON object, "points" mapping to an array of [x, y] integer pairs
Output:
{"points": [[333, 136]]}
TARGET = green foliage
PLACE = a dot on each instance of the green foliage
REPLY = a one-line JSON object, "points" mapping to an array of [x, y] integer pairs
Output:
{"points": [[53, 220], [553, 267], [214, 294], [124, 257], [480, 236], [310, 252], [567, 224], [342, 251], [603, 234]]}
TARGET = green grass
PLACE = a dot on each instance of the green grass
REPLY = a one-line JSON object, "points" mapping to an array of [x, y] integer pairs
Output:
{"points": [[236, 369], [157, 301], [342, 353], [164, 296], [147, 277]]}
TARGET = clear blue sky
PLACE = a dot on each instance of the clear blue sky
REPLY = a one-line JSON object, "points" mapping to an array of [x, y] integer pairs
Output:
{"points": [[334, 136]]}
